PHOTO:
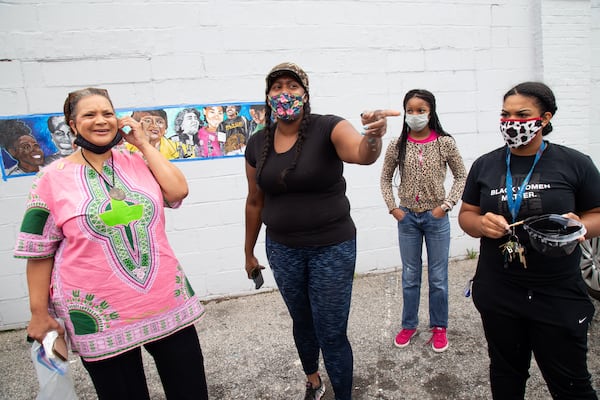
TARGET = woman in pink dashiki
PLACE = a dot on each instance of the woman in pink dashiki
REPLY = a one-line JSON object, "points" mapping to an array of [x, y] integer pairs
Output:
{"points": [[98, 257]]}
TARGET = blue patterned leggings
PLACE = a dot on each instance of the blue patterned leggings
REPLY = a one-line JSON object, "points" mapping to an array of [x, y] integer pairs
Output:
{"points": [[316, 285]]}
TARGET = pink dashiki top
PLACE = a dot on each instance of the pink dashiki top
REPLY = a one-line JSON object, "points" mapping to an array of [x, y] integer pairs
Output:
{"points": [[116, 281]]}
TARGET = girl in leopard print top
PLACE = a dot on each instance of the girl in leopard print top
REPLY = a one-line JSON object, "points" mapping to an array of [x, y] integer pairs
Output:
{"points": [[421, 156]]}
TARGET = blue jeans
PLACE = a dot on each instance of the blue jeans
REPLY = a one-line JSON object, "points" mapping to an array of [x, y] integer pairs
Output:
{"points": [[436, 231], [316, 286]]}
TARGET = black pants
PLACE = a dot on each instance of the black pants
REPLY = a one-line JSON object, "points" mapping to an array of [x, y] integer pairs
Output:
{"points": [[519, 321], [179, 362]]}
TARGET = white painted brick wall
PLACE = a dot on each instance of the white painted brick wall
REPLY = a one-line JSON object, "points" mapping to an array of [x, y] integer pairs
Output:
{"points": [[358, 54]]}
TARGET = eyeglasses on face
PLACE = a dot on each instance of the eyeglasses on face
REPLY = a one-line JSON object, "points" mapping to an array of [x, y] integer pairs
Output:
{"points": [[157, 121]]}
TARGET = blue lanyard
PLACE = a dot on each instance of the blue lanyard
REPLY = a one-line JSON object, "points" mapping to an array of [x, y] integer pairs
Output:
{"points": [[515, 204]]}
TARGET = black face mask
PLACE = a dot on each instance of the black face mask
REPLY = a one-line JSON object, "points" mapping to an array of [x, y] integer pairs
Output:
{"points": [[82, 142]]}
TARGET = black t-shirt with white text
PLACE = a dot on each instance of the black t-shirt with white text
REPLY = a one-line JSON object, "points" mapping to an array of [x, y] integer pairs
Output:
{"points": [[564, 180]]}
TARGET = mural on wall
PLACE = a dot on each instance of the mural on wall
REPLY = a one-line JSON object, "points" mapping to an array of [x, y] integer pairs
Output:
{"points": [[184, 132]]}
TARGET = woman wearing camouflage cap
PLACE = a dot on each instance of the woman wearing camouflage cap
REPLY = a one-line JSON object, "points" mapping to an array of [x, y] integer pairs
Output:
{"points": [[296, 188]]}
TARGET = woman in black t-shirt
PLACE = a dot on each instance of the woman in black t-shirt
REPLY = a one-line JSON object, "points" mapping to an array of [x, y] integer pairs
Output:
{"points": [[531, 302], [295, 187]]}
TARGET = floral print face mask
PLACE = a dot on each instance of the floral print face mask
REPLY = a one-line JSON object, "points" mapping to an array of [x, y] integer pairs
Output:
{"points": [[286, 107]]}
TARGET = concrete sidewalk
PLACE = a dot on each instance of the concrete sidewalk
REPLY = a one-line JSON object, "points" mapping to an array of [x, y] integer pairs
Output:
{"points": [[249, 351]]}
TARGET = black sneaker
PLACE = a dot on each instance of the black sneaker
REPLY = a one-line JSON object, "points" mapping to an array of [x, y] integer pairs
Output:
{"points": [[314, 393]]}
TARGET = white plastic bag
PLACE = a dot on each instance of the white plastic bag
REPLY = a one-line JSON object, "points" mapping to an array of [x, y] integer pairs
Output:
{"points": [[52, 372]]}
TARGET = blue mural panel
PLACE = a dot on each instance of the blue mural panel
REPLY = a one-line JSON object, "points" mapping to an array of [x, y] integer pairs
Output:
{"points": [[189, 132]]}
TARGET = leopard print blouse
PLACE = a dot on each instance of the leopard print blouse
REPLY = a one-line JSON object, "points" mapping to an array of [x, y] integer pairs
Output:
{"points": [[423, 174]]}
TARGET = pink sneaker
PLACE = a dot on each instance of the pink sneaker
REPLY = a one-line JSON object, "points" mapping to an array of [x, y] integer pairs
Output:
{"points": [[404, 336], [439, 341]]}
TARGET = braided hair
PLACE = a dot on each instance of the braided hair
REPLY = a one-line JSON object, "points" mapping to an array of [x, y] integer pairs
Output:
{"points": [[269, 134], [434, 123], [541, 94]]}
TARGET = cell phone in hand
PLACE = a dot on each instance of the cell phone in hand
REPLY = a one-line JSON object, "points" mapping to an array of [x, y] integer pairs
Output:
{"points": [[257, 277], [124, 131]]}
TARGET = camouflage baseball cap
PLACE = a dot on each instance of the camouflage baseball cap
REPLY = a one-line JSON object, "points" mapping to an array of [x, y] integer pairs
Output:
{"points": [[287, 68]]}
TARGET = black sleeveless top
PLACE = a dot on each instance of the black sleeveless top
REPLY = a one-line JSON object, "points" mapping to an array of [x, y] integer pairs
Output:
{"points": [[310, 208]]}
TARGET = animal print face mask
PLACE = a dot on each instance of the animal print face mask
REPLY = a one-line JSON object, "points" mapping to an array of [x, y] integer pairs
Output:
{"points": [[519, 132]]}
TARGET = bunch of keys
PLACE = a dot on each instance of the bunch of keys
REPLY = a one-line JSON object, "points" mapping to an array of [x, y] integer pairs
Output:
{"points": [[512, 250]]}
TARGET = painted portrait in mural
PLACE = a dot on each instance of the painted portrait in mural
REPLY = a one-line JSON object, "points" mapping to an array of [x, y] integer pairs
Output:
{"points": [[235, 130], [257, 112], [22, 153], [185, 132], [209, 141], [187, 123], [155, 124], [61, 135]]}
